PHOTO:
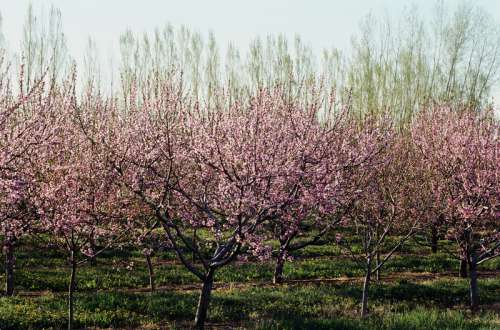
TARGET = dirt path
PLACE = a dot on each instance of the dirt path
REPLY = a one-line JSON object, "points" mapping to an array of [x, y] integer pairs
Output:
{"points": [[386, 278]]}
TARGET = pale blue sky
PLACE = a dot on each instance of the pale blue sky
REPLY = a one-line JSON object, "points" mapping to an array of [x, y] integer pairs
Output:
{"points": [[321, 23]]}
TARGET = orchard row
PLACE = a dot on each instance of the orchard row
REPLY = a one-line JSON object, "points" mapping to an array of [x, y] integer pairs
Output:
{"points": [[220, 182]]}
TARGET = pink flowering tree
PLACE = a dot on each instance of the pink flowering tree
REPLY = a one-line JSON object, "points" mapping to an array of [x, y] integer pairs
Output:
{"points": [[76, 198], [333, 154], [461, 149], [24, 129], [386, 207], [150, 242], [225, 173], [144, 234]]}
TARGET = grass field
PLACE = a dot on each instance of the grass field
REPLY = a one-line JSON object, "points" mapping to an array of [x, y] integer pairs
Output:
{"points": [[418, 290]]}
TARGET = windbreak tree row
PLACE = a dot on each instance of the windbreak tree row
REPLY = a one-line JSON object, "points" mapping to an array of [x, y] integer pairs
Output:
{"points": [[394, 64]]}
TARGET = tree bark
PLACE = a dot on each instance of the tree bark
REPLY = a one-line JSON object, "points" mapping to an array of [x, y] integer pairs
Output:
{"points": [[278, 269], [194, 245], [151, 273], [474, 291], [9, 266], [462, 272], [434, 239], [377, 273], [93, 259], [204, 301], [71, 289], [366, 287]]}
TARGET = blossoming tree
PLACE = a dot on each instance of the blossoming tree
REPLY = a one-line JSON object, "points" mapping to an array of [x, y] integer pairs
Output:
{"points": [[25, 127], [462, 152], [77, 200]]}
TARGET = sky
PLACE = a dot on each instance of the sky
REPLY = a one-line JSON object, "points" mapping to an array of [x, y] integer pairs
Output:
{"points": [[320, 23]]}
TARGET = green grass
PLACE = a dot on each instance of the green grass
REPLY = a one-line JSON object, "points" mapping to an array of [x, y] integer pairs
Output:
{"points": [[402, 305], [110, 273], [104, 298]]}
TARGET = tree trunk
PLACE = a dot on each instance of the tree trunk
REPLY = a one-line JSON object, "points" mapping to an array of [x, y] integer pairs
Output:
{"points": [[474, 292], [93, 247], [151, 273], [377, 273], [462, 272], [9, 266], [366, 287], [204, 301], [278, 269], [434, 239], [71, 289], [194, 246]]}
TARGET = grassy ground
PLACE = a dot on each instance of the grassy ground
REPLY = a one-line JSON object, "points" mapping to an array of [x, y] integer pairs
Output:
{"points": [[418, 291]]}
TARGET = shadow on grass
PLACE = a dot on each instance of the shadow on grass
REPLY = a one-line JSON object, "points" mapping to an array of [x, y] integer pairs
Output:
{"points": [[395, 306], [440, 293], [95, 310]]}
